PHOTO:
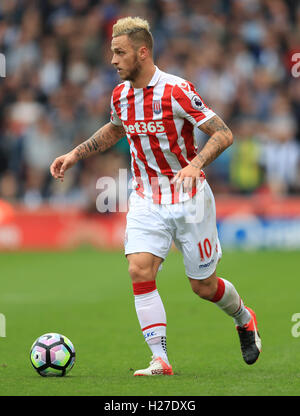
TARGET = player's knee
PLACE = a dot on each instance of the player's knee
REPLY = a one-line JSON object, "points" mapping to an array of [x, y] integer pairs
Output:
{"points": [[206, 288], [140, 273], [203, 292]]}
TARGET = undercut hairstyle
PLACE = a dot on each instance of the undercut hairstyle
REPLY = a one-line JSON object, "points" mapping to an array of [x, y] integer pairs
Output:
{"points": [[137, 30]]}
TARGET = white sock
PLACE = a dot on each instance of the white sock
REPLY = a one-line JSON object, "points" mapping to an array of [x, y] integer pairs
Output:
{"points": [[228, 299], [152, 317], [158, 347]]}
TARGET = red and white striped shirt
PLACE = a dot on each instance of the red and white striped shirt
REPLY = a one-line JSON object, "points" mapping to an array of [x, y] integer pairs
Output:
{"points": [[159, 122]]}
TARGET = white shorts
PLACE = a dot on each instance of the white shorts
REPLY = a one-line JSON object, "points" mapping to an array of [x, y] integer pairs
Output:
{"points": [[191, 225]]}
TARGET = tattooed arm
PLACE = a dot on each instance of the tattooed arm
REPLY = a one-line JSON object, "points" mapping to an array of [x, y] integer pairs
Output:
{"points": [[220, 138], [100, 141]]}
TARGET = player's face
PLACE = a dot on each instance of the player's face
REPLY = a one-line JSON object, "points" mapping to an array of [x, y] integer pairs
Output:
{"points": [[125, 58]]}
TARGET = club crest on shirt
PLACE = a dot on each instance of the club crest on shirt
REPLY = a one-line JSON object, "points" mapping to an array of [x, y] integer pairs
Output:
{"points": [[196, 102], [156, 106]]}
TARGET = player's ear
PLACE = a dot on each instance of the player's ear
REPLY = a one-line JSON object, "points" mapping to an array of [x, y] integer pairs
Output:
{"points": [[143, 52]]}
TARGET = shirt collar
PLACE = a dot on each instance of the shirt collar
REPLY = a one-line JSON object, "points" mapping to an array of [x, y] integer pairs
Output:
{"points": [[155, 77]]}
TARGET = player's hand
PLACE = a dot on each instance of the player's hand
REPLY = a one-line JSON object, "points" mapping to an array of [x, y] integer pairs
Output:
{"points": [[61, 164], [187, 177]]}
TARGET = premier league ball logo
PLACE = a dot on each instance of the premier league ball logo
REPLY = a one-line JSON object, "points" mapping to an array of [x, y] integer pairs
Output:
{"points": [[197, 104]]}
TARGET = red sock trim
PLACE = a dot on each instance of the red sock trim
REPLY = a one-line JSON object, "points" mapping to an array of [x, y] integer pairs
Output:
{"points": [[220, 291], [238, 307], [143, 287], [153, 325]]}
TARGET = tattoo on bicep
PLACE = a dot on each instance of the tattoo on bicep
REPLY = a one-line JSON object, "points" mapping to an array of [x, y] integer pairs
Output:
{"points": [[213, 125]]}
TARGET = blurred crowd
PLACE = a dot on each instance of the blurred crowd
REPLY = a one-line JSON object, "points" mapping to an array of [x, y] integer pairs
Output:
{"points": [[56, 93]]}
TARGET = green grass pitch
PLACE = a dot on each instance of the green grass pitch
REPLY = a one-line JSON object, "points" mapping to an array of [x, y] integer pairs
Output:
{"points": [[87, 296]]}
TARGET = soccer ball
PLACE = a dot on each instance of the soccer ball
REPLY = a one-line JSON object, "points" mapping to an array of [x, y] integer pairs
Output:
{"points": [[52, 355]]}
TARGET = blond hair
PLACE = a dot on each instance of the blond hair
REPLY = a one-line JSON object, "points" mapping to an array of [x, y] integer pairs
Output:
{"points": [[136, 28]]}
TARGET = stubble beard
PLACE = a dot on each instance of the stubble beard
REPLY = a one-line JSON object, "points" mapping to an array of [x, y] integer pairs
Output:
{"points": [[134, 73]]}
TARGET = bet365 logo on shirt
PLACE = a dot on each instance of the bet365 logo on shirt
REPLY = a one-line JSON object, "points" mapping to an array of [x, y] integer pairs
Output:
{"points": [[143, 127]]}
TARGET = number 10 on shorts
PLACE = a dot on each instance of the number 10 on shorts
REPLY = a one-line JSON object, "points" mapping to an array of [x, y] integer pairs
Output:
{"points": [[204, 249]]}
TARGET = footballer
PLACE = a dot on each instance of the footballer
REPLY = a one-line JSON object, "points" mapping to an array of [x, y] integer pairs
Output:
{"points": [[157, 112]]}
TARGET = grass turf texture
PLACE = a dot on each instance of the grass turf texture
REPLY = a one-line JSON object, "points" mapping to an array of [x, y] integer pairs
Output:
{"points": [[87, 296]]}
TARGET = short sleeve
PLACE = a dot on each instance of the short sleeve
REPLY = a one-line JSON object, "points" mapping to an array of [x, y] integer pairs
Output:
{"points": [[114, 118], [188, 104]]}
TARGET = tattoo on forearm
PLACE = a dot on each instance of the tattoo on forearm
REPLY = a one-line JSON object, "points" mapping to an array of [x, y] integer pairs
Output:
{"points": [[94, 144], [221, 138], [102, 140]]}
